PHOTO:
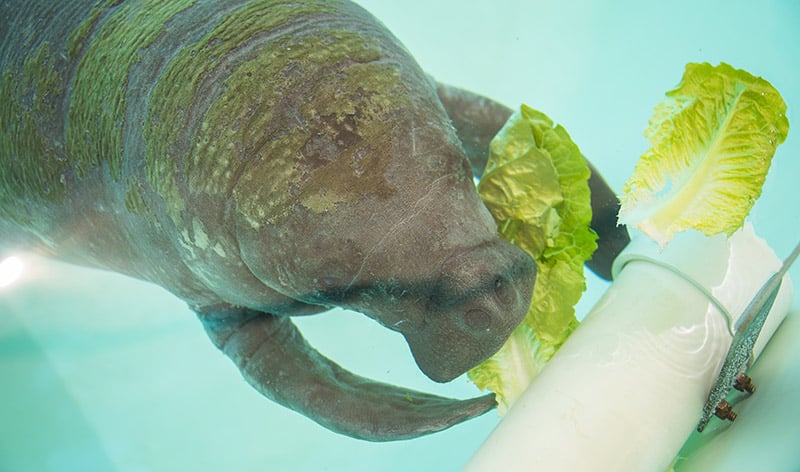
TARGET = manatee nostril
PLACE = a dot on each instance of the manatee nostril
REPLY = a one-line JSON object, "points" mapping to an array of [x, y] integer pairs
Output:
{"points": [[328, 282], [476, 319], [503, 291]]}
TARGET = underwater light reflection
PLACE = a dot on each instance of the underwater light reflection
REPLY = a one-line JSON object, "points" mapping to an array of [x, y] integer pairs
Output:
{"points": [[10, 270]]}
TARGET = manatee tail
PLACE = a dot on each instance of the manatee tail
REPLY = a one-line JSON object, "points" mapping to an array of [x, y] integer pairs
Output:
{"points": [[275, 359]]}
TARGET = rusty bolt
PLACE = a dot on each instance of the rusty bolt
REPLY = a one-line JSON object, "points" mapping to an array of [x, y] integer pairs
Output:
{"points": [[744, 383], [725, 411]]}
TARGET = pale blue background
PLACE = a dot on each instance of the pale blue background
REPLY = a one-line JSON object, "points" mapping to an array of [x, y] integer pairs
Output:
{"points": [[100, 372]]}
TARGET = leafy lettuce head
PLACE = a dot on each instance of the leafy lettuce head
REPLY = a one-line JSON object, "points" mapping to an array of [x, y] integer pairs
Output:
{"points": [[536, 186], [713, 138]]}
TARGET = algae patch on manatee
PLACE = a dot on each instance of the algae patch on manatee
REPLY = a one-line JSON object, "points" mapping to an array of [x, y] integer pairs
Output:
{"points": [[97, 104], [276, 129], [29, 108]]}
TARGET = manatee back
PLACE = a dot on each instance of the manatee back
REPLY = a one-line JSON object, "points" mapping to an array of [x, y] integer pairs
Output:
{"points": [[129, 129]]}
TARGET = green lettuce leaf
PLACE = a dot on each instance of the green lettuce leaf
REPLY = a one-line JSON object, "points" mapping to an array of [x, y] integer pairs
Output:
{"points": [[536, 187], [713, 138]]}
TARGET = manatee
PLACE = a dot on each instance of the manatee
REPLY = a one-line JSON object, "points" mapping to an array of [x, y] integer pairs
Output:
{"points": [[262, 160]]}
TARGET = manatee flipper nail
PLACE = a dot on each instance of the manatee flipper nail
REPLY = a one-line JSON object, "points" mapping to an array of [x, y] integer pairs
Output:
{"points": [[277, 361], [477, 119]]}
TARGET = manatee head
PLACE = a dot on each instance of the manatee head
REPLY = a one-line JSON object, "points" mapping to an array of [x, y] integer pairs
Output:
{"points": [[479, 295], [388, 223], [359, 194]]}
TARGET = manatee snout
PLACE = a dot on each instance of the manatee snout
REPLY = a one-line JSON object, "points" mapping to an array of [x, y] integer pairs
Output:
{"points": [[483, 293]]}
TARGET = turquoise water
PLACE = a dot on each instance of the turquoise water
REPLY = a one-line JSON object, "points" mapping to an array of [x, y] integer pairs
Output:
{"points": [[101, 372]]}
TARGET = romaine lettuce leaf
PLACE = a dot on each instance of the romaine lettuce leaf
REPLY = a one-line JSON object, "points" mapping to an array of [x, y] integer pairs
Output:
{"points": [[536, 186], [713, 138]]}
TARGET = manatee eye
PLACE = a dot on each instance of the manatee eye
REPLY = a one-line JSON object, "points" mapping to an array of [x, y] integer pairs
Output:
{"points": [[476, 319]]}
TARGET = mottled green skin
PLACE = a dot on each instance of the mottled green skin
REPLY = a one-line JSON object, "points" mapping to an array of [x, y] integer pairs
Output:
{"points": [[65, 110], [138, 115]]}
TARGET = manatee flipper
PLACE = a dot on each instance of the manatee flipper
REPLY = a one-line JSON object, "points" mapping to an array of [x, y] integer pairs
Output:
{"points": [[477, 119], [276, 360]]}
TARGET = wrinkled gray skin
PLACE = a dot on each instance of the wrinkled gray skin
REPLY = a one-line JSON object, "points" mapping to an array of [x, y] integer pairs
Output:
{"points": [[423, 259]]}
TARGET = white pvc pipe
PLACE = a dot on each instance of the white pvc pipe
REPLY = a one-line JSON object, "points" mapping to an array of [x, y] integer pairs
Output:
{"points": [[628, 387]]}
